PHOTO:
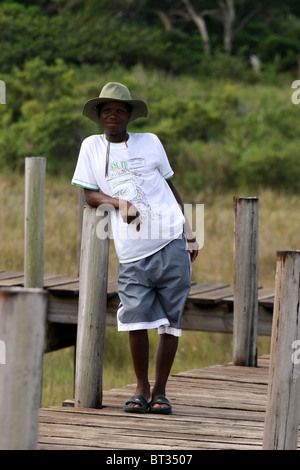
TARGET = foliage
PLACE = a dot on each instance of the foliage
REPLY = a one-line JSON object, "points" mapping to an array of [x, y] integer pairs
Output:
{"points": [[222, 124], [26, 33], [41, 117], [216, 134], [148, 32]]}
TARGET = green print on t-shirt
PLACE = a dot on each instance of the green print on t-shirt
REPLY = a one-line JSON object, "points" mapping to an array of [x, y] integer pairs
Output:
{"points": [[116, 165]]}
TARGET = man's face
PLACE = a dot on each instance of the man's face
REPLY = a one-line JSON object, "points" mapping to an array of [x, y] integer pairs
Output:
{"points": [[114, 117]]}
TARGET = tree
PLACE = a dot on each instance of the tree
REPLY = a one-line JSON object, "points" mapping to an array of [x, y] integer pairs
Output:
{"points": [[198, 19], [224, 12]]}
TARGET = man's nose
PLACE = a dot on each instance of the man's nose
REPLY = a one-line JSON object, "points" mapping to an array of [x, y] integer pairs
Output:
{"points": [[113, 114]]}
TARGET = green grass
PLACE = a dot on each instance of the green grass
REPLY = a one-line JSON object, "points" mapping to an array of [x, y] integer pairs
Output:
{"points": [[278, 230]]}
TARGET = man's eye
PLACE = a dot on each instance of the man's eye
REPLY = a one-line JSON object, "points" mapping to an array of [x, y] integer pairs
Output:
{"points": [[120, 112]]}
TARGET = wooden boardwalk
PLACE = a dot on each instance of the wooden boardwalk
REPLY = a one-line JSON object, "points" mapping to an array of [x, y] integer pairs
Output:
{"points": [[209, 307], [214, 408]]}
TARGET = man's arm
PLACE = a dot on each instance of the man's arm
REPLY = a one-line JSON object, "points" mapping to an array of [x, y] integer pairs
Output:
{"points": [[127, 210], [193, 246]]}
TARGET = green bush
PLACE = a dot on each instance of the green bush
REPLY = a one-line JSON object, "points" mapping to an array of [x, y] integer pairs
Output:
{"points": [[216, 134], [41, 117], [80, 38]]}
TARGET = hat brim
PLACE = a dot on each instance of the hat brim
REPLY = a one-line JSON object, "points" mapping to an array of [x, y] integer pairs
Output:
{"points": [[139, 108]]}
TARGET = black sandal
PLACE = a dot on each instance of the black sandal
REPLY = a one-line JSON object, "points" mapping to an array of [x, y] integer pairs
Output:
{"points": [[160, 401], [136, 400]]}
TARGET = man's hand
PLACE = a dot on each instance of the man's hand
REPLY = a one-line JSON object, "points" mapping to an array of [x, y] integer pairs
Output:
{"points": [[193, 248], [129, 213]]}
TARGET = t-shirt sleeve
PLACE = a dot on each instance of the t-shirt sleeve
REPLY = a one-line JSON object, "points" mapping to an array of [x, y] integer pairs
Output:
{"points": [[164, 166], [83, 175]]}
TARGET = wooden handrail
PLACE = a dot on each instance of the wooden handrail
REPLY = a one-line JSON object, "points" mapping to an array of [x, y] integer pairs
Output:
{"points": [[283, 406]]}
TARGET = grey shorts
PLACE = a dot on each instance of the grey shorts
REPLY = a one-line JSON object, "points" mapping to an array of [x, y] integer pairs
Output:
{"points": [[153, 290]]}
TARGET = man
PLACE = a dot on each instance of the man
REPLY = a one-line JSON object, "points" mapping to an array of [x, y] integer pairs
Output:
{"points": [[130, 172]]}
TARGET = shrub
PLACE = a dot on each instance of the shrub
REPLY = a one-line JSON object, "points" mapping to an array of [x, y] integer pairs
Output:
{"points": [[41, 117]]}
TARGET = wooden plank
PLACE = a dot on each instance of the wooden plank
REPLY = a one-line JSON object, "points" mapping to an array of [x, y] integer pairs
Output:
{"points": [[205, 287], [218, 407], [11, 279], [158, 435], [267, 302], [15, 281], [188, 412], [68, 289], [52, 281], [62, 309], [72, 287], [118, 423], [265, 297], [265, 293], [213, 296], [119, 426], [10, 274]]}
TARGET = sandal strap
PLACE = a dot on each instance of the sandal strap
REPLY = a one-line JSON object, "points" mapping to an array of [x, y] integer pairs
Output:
{"points": [[160, 401], [137, 399]]}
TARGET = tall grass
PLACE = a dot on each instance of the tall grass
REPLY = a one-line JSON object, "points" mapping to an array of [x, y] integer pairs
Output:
{"points": [[278, 230]]}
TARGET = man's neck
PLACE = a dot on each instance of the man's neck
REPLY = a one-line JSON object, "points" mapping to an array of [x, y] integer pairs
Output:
{"points": [[117, 138]]}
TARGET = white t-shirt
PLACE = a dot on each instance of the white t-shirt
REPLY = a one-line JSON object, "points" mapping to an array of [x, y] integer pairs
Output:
{"points": [[137, 172]]}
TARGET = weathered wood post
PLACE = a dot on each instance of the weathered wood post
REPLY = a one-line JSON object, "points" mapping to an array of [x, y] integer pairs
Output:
{"points": [[283, 405], [22, 330], [91, 310], [245, 317], [81, 204], [35, 170]]}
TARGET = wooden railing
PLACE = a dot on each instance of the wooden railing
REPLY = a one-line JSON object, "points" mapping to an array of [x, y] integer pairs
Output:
{"points": [[91, 313], [22, 325], [283, 405], [245, 313]]}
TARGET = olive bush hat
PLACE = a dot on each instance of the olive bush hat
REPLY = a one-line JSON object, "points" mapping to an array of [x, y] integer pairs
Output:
{"points": [[114, 91]]}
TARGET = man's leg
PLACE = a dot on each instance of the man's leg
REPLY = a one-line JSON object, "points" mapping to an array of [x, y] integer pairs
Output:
{"points": [[166, 351], [139, 345]]}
